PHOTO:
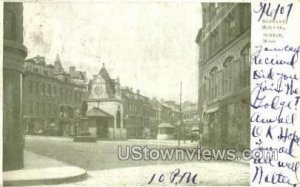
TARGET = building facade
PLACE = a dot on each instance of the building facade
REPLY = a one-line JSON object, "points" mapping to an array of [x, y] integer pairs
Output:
{"points": [[154, 117], [224, 74], [104, 106], [167, 112], [52, 97], [191, 118], [14, 53], [136, 113], [143, 115]]}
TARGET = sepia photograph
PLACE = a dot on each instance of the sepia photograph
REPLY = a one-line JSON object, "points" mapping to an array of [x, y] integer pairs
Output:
{"points": [[126, 93]]}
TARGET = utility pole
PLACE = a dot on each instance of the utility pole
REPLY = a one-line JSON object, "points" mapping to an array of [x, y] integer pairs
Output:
{"points": [[180, 115]]}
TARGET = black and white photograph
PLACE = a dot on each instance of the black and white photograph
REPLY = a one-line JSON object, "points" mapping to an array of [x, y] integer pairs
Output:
{"points": [[126, 93]]}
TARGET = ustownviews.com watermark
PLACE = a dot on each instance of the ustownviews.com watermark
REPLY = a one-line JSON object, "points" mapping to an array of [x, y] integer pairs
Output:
{"points": [[199, 153]]}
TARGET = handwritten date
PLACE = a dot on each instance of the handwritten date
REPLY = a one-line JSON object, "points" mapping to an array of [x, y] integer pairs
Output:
{"points": [[175, 177]]}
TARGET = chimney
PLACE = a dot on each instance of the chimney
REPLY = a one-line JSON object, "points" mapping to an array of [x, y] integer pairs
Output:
{"points": [[138, 91]]}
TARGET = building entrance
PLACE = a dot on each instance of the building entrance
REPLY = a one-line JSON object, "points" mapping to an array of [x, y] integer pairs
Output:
{"points": [[102, 124]]}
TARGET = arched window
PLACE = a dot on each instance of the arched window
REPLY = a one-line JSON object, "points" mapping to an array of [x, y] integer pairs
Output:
{"points": [[214, 84], [228, 76], [245, 66], [205, 89], [214, 40]]}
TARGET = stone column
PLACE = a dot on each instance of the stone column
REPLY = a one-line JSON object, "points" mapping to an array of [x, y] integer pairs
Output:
{"points": [[13, 58]]}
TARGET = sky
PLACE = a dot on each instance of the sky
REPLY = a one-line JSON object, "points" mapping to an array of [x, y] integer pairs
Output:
{"points": [[149, 46]]}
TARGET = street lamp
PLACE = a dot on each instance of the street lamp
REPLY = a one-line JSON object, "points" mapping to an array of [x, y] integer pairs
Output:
{"points": [[199, 126]]}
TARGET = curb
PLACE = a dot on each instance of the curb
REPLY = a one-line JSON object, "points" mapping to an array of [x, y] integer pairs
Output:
{"points": [[36, 180]]}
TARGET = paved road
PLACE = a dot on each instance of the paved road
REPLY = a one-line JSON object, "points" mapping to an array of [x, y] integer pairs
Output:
{"points": [[92, 156], [101, 159]]}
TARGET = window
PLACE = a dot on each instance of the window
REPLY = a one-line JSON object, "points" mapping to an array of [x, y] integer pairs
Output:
{"points": [[71, 95], [49, 89], [43, 88], [75, 96], [214, 37], [49, 111], [54, 90], [210, 89], [219, 83], [230, 27], [206, 88], [55, 110], [37, 88], [37, 108], [61, 93], [66, 94], [227, 76], [43, 109], [30, 86], [30, 108], [245, 66], [213, 83], [80, 96]]}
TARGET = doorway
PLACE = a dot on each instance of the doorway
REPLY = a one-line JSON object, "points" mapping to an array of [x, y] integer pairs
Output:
{"points": [[102, 127]]}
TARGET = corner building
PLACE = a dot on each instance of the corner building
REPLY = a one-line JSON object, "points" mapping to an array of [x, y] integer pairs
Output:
{"points": [[52, 97], [224, 74], [14, 53]]}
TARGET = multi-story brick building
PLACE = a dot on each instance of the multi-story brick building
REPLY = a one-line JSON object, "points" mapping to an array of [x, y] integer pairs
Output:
{"points": [[169, 112], [143, 115], [136, 113], [52, 97], [224, 74], [190, 117], [154, 117]]}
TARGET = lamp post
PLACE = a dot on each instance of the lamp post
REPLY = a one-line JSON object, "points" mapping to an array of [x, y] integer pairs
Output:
{"points": [[180, 115], [183, 122], [199, 129]]}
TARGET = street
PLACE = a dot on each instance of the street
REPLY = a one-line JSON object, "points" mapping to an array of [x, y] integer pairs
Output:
{"points": [[101, 159]]}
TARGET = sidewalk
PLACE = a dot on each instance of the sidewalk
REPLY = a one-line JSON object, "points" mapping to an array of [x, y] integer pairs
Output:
{"points": [[208, 174], [41, 170], [173, 143]]}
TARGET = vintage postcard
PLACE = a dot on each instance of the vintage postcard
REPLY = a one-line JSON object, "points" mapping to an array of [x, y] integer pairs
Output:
{"points": [[150, 93]]}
